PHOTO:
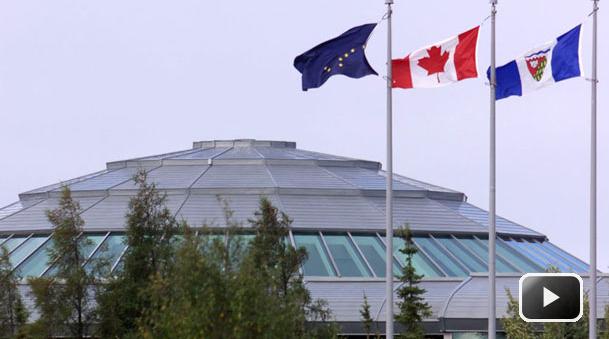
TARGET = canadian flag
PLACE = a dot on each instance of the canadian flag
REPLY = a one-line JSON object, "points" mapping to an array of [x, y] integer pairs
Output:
{"points": [[440, 64]]}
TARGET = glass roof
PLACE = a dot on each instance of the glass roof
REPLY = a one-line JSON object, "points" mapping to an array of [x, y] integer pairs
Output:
{"points": [[332, 254]]}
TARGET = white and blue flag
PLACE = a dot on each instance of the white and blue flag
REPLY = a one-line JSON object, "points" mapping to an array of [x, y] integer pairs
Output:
{"points": [[542, 66]]}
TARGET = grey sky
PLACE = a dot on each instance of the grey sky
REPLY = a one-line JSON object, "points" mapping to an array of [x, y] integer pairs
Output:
{"points": [[86, 82]]}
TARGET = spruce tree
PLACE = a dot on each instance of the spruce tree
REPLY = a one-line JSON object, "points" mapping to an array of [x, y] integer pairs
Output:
{"points": [[13, 315], [66, 301], [413, 308], [227, 288], [366, 317], [514, 326], [150, 232]]}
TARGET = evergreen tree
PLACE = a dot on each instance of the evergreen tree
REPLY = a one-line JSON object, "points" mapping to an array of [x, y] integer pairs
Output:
{"points": [[514, 326], [150, 232], [66, 302], [366, 317], [227, 288], [13, 315], [605, 333], [411, 303]]}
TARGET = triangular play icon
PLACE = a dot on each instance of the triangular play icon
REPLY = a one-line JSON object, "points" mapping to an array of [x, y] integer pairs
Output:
{"points": [[549, 297]]}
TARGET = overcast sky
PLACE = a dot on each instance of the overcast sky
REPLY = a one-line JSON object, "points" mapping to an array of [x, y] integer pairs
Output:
{"points": [[87, 82]]}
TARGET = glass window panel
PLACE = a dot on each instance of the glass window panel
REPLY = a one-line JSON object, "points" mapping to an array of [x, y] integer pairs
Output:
{"points": [[35, 265], [318, 263], [2, 238], [92, 241], [27, 248], [109, 251], [481, 250], [440, 257], [421, 264], [374, 251], [517, 260], [541, 259], [349, 263], [15, 241], [549, 258], [580, 265], [473, 264]]}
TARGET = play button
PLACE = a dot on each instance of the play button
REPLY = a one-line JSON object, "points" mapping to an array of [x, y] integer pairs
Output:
{"points": [[551, 297]]}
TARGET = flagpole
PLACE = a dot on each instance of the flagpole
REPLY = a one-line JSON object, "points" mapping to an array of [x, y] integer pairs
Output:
{"points": [[389, 188], [492, 211], [592, 296]]}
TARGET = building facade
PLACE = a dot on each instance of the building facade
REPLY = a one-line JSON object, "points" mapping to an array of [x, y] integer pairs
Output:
{"points": [[338, 208]]}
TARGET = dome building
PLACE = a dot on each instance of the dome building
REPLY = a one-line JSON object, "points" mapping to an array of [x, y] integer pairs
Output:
{"points": [[338, 207]]}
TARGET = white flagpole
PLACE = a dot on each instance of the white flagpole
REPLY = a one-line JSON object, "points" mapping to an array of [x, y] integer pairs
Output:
{"points": [[389, 189], [491, 210], [592, 296]]}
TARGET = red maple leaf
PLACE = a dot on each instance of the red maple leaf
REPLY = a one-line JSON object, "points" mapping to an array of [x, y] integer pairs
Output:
{"points": [[435, 61]]}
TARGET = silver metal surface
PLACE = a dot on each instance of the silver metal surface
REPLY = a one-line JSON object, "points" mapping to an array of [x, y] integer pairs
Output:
{"points": [[593, 292], [492, 208], [389, 188]]}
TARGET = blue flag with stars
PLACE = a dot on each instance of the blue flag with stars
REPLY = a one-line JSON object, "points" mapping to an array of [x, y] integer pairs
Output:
{"points": [[341, 55]]}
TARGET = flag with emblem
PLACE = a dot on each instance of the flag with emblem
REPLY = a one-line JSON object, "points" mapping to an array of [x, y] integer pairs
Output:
{"points": [[542, 66], [439, 64], [341, 55]]}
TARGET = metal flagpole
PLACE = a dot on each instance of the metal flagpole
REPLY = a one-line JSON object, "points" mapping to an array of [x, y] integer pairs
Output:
{"points": [[592, 296], [389, 189], [492, 212]]}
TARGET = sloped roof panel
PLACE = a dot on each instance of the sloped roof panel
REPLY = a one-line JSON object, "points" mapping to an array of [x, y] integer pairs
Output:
{"points": [[235, 176], [67, 182], [240, 153], [279, 154], [167, 177], [206, 153], [208, 209], [332, 212], [366, 178], [109, 213], [106, 180], [305, 176], [35, 218], [427, 214], [481, 217]]}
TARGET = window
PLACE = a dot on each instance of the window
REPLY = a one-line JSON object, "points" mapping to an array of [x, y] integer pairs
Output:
{"points": [[473, 263], [349, 262], [27, 248], [441, 257], [579, 265], [36, 264], [318, 263], [422, 265], [480, 247], [13, 242], [374, 251], [109, 252], [516, 258]]}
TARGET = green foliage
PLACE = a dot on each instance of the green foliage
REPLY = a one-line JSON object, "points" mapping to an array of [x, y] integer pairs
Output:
{"points": [[514, 326], [605, 333], [150, 231], [232, 289], [66, 301], [412, 306], [366, 317], [13, 314]]}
